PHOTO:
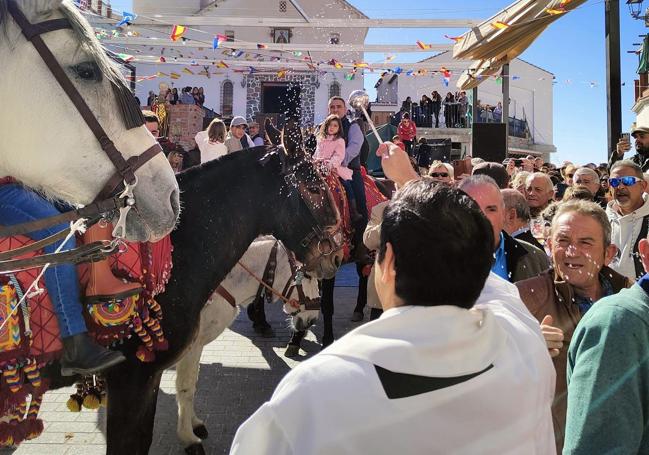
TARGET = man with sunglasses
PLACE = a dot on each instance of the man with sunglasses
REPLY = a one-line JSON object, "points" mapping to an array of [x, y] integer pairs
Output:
{"points": [[628, 213], [641, 136]]}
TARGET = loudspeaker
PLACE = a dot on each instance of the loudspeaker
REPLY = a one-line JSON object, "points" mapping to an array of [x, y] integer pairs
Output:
{"points": [[489, 142]]}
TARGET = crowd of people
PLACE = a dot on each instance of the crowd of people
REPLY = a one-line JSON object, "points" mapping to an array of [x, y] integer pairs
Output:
{"points": [[558, 258], [550, 263], [451, 111], [187, 95]]}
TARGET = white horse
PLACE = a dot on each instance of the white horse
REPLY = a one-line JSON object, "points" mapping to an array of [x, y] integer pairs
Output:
{"points": [[218, 314], [46, 144]]}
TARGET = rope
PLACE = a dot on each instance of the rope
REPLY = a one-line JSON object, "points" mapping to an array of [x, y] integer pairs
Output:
{"points": [[75, 226], [278, 294]]}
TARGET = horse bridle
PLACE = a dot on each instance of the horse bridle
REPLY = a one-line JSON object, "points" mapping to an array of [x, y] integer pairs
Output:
{"points": [[117, 193], [332, 236]]}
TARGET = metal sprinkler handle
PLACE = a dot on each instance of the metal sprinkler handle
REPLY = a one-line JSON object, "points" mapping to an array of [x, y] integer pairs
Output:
{"points": [[359, 99]]}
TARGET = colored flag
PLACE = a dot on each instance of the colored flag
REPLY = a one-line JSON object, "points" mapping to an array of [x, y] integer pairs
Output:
{"points": [[297, 53], [177, 32], [361, 65], [127, 19], [398, 70], [454, 38], [187, 71], [160, 74], [423, 45], [162, 59], [409, 73], [281, 73], [261, 46], [126, 57], [555, 12], [499, 25], [350, 76], [222, 64], [237, 53], [218, 39], [175, 76]]}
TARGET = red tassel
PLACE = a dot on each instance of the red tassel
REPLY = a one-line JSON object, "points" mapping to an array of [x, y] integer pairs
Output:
{"points": [[144, 355]]}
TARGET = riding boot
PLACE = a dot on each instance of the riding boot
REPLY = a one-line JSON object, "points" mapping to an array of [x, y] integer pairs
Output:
{"points": [[102, 284], [82, 356]]}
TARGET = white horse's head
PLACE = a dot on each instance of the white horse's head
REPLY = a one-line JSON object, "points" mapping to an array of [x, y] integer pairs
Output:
{"points": [[44, 142], [301, 318]]}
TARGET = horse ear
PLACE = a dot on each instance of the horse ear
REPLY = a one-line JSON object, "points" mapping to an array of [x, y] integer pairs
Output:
{"points": [[292, 139], [274, 135]]}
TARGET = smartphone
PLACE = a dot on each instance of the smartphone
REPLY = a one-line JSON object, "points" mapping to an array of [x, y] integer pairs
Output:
{"points": [[626, 137], [518, 162]]}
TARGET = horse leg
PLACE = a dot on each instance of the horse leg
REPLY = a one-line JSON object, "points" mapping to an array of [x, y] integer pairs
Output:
{"points": [[257, 314], [186, 377], [132, 399], [361, 298], [327, 305], [293, 348]]}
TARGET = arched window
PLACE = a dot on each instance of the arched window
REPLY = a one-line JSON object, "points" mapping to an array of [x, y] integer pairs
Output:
{"points": [[334, 89], [226, 98]]}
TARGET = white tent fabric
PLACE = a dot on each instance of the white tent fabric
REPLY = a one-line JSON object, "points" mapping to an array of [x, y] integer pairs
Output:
{"points": [[506, 35]]}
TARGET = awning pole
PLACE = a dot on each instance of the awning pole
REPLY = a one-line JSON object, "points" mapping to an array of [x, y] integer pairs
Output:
{"points": [[613, 74], [505, 119], [475, 114]]}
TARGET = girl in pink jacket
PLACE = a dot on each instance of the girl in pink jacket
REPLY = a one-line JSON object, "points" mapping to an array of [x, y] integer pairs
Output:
{"points": [[331, 147]]}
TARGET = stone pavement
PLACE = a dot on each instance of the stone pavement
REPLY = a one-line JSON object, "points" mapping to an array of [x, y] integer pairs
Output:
{"points": [[239, 371]]}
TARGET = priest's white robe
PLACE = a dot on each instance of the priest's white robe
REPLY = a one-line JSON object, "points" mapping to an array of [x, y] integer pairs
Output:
{"points": [[498, 401]]}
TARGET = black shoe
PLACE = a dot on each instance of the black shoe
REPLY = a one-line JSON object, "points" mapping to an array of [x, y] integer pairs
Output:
{"points": [[82, 356]]}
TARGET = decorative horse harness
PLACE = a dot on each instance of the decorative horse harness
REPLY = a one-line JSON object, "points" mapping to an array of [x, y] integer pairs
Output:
{"points": [[294, 283], [117, 194]]}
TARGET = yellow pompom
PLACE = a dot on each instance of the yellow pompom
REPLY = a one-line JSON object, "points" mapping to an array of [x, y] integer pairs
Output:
{"points": [[91, 401], [74, 403]]}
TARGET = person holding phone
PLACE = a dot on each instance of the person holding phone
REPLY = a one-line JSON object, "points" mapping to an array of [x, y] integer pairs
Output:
{"points": [[641, 158]]}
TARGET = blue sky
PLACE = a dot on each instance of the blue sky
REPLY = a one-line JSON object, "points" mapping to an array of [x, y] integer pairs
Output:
{"points": [[572, 48]]}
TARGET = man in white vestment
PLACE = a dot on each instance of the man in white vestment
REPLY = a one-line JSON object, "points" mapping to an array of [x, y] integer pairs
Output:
{"points": [[454, 365]]}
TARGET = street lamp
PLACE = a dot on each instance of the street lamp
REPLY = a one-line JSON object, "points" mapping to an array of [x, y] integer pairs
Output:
{"points": [[635, 8]]}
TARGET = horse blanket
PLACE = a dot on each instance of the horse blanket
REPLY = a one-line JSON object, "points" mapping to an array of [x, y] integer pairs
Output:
{"points": [[29, 332]]}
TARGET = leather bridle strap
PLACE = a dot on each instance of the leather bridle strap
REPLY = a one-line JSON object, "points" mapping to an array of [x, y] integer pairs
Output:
{"points": [[93, 210], [32, 33]]}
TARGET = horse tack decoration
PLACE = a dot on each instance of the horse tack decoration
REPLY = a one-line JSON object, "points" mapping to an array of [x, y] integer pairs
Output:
{"points": [[29, 332]]}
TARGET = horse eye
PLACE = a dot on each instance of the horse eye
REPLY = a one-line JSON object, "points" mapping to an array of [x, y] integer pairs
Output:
{"points": [[88, 71], [314, 189]]}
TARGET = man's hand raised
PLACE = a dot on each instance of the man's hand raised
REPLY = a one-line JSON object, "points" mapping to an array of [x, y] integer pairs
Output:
{"points": [[396, 164]]}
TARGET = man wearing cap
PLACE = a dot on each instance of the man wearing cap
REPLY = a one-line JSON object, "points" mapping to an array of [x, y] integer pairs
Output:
{"points": [[237, 138], [641, 135]]}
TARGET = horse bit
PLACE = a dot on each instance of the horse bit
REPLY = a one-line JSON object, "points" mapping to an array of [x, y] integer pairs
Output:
{"points": [[109, 198]]}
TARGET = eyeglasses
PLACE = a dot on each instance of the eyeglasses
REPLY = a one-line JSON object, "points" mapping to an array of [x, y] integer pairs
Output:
{"points": [[626, 181], [438, 174]]}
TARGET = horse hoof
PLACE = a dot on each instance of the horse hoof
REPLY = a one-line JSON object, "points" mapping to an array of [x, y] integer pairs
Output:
{"points": [[292, 350], [201, 432], [195, 449]]}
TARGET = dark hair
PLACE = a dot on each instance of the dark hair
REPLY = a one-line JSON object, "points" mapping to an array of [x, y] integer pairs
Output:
{"points": [[150, 116], [338, 98], [406, 115], [494, 170], [325, 126], [442, 243]]}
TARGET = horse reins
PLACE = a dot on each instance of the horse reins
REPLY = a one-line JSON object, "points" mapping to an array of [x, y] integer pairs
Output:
{"points": [[124, 179], [263, 281]]}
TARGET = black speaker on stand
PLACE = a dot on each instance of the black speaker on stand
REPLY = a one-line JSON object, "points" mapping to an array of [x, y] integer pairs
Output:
{"points": [[489, 142]]}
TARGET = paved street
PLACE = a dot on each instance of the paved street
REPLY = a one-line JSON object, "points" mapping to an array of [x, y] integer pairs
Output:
{"points": [[238, 373]]}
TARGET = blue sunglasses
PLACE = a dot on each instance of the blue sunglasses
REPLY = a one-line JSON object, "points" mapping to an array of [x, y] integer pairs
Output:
{"points": [[626, 181]]}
